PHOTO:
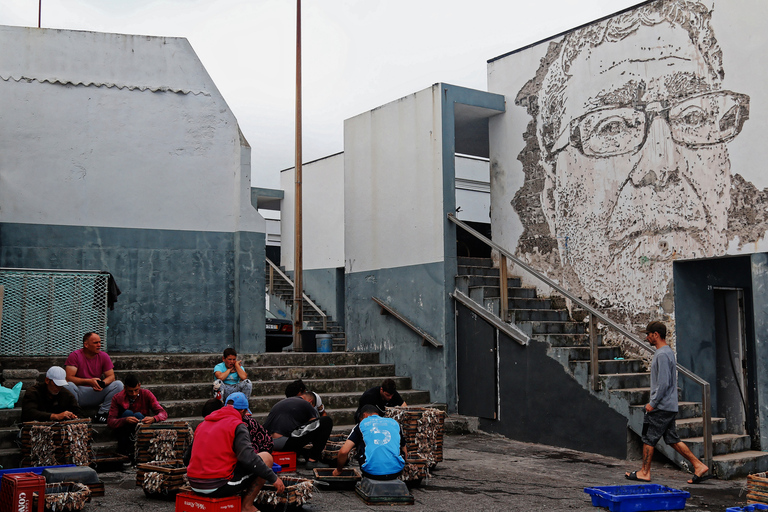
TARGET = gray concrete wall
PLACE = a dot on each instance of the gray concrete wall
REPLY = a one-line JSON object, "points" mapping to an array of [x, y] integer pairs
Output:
{"points": [[541, 403], [182, 291], [418, 293], [326, 287], [759, 263]]}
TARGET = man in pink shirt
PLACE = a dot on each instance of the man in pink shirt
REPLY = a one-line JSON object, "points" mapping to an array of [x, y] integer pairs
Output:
{"points": [[91, 377], [131, 406]]}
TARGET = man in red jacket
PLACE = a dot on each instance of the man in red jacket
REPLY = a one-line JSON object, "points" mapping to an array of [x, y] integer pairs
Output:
{"points": [[221, 460], [131, 406]]}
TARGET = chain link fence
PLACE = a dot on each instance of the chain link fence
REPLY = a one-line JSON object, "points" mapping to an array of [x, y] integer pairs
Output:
{"points": [[46, 312]]}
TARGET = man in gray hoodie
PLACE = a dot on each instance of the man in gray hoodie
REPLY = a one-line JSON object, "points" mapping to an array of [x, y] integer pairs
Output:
{"points": [[660, 412]]}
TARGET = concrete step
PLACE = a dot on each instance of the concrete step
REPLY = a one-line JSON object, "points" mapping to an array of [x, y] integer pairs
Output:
{"points": [[539, 315], [475, 262], [576, 340], [266, 373], [684, 409], [740, 464], [626, 380], [615, 366], [128, 361], [722, 444], [468, 270], [551, 327], [580, 351], [694, 427]]}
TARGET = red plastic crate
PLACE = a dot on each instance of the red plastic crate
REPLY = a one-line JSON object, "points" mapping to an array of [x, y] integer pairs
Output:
{"points": [[17, 493], [191, 502], [286, 460]]}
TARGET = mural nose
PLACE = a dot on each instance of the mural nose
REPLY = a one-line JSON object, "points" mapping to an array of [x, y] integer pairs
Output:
{"points": [[657, 156]]}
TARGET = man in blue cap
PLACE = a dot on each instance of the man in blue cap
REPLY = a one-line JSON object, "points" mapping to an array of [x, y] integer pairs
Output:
{"points": [[221, 460]]}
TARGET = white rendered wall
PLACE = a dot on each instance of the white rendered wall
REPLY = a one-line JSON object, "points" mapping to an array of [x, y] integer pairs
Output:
{"points": [[323, 214], [116, 130], [393, 184], [473, 189]]}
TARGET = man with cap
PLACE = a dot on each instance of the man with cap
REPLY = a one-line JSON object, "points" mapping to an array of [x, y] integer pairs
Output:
{"points": [[660, 412], [221, 460], [49, 400]]}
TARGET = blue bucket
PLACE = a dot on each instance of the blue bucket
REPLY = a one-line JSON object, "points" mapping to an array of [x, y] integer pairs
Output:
{"points": [[324, 343]]}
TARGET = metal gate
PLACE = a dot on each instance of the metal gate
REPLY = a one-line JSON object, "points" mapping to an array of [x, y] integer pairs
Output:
{"points": [[46, 312]]}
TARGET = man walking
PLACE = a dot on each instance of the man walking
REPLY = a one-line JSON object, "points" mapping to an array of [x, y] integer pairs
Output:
{"points": [[91, 376], [660, 412]]}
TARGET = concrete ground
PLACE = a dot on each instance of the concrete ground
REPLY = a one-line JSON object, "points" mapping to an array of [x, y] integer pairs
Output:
{"points": [[485, 473]]}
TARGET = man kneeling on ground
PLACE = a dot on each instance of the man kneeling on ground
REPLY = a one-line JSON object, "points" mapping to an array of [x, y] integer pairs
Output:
{"points": [[221, 461], [294, 423], [379, 443]]}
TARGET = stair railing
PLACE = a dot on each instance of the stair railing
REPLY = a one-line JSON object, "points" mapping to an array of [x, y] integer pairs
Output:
{"points": [[425, 336], [595, 315], [274, 268]]}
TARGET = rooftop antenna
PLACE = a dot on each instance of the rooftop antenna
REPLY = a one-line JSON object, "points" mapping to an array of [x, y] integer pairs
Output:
{"points": [[39, 12]]}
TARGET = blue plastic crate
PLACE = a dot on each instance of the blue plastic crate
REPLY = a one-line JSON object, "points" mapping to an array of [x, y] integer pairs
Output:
{"points": [[748, 508], [635, 498], [38, 470]]}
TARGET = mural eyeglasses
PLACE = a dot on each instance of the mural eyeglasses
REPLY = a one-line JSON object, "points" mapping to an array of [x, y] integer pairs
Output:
{"points": [[697, 121]]}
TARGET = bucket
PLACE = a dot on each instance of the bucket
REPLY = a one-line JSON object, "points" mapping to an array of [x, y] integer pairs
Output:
{"points": [[324, 343]]}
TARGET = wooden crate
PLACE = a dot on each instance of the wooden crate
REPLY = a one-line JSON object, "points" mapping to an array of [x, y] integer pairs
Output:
{"points": [[298, 491], [147, 440], [172, 477], [69, 496], [71, 443], [757, 489], [424, 429]]}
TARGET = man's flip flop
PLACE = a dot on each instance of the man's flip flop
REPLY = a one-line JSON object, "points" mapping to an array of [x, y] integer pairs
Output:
{"points": [[633, 476], [698, 479]]}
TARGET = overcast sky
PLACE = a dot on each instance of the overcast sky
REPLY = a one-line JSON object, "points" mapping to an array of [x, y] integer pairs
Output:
{"points": [[357, 54]]}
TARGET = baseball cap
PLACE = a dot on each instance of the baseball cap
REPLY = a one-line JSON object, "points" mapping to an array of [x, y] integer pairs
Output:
{"points": [[656, 327], [238, 401], [57, 375]]}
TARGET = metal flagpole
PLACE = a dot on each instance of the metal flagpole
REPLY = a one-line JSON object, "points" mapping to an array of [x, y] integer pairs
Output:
{"points": [[298, 313]]}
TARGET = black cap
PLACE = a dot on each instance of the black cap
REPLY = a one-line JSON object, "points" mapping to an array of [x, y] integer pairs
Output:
{"points": [[656, 327]]}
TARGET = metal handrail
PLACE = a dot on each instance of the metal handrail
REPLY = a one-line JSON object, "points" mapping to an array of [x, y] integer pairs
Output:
{"points": [[594, 314], [425, 336], [272, 269], [512, 331]]}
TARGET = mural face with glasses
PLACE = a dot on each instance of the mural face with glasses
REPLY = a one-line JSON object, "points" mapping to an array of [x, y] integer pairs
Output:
{"points": [[631, 129]]}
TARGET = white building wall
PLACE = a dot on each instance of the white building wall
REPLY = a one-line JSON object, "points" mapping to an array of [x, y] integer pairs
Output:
{"points": [[393, 184], [323, 217], [473, 189], [118, 131]]}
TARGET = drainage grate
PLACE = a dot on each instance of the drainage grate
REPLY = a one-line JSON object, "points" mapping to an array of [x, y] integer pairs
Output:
{"points": [[46, 312]]}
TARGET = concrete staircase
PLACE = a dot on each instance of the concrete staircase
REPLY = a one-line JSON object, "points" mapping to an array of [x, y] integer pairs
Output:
{"points": [[283, 291], [625, 382], [183, 382]]}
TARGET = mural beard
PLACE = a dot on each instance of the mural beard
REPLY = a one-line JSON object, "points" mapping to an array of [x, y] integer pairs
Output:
{"points": [[620, 241]]}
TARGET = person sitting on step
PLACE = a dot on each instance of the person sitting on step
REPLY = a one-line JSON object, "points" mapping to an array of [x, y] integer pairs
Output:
{"points": [[91, 376], [130, 407], [379, 444], [49, 400], [230, 376]]}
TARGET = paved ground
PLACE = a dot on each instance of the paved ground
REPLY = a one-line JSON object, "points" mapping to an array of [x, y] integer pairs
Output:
{"points": [[483, 473]]}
